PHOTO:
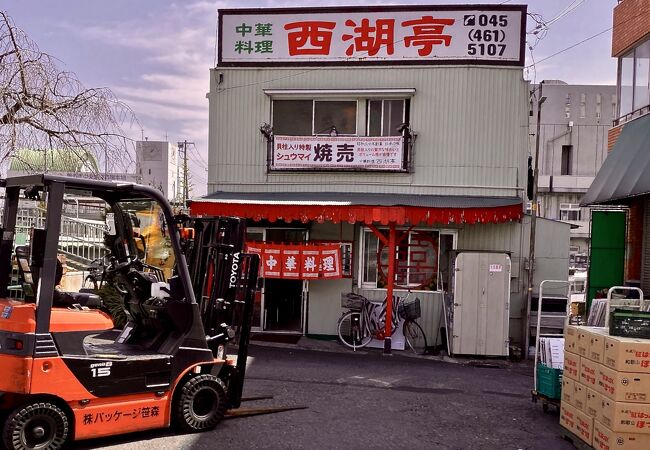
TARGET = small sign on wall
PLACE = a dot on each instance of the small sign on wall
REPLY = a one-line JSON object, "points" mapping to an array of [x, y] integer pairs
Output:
{"points": [[338, 153], [496, 268]]}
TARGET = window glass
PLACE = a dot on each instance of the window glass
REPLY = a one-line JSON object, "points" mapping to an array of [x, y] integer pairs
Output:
{"points": [[642, 75], [385, 117], [569, 211], [292, 117], [374, 117], [566, 162], [370, 246], [393, 117], [626, 82], [417, 260], [444, 266], [341, 115]]}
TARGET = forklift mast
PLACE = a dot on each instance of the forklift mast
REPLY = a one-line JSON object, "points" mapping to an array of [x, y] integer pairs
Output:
{"points": [[224, 279]]}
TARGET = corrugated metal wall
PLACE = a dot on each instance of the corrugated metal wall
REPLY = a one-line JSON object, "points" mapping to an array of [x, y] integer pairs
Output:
{"points": [[471, 125]]}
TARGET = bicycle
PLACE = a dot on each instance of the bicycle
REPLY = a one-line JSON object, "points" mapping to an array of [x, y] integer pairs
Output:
{"points": [[365, 320], [96, 273]]}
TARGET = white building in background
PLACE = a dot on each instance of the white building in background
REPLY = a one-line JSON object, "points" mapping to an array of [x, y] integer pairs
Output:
{"points": [[573, 146], [157, 165]]}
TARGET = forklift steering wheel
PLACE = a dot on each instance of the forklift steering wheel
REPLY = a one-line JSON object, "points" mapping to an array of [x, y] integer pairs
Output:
{"points": [[116, 266]]}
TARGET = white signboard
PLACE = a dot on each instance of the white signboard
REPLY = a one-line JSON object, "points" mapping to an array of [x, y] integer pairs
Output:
{"points": [[338, 153], [496, 268], [493, 34]]}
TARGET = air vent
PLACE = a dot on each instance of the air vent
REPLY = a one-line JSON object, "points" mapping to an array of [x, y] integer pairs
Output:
{"points": [[45, 345]]}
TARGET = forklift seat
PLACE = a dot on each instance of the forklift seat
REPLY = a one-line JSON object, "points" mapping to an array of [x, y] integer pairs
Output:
{"points": [[29, 278], [60, 299]]}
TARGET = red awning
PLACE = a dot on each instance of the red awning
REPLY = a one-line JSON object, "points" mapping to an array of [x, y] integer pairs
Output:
{"points": [[367, 214]]}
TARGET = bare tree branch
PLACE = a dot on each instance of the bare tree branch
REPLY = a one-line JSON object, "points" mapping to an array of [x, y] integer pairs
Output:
{"points": [[43, 108]]}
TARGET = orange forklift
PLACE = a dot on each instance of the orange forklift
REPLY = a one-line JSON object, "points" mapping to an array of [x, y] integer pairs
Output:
{"points": [[66, 373]]}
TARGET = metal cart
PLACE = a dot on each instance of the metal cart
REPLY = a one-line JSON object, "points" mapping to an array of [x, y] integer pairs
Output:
{"points": [[536, 396]]}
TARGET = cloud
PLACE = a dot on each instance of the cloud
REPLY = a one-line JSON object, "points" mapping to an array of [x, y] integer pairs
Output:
{"points": [[175, 47]]}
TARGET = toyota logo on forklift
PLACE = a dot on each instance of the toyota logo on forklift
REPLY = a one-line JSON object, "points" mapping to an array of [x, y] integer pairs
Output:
{"points": [[134, 350]]}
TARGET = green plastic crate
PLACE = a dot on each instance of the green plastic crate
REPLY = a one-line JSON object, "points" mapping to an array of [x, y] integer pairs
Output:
{"points": [[626, 323], [549, 381]]}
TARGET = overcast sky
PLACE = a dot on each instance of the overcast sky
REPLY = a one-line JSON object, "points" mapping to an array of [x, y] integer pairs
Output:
{"points": [[156, 54]]}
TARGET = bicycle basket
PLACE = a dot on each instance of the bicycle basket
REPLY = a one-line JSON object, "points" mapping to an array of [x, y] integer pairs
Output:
{"points": [[352, 301], [409, 310]]}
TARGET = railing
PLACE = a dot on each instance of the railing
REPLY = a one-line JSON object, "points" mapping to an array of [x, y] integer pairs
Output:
{"points": [[631, 115], [81, 240]]}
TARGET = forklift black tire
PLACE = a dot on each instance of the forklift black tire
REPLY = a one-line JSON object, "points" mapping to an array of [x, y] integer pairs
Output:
{"points": [[201, 403], [36, 426]]}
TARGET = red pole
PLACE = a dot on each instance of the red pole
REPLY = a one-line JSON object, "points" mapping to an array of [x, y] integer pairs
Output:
{"points": [[389, 293]]}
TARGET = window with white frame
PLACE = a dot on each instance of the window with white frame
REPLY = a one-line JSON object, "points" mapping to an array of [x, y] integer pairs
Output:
{"points": [[422, 260], [385, 117], [634, 79], [315, 117], [338, 117], [569, 211]]}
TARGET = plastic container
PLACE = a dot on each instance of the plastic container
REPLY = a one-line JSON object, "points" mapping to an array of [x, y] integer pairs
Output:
{"points": [[629, 323], [549, 382]]}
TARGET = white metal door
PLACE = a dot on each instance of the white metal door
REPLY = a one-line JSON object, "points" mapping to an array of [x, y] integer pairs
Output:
{"points": [[481, 304]]}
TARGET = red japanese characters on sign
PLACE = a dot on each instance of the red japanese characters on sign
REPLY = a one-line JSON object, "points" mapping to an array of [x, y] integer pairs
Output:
{"points": [[371, 39], [342, 35], [309, 38], [298, 261], [427, 32]]}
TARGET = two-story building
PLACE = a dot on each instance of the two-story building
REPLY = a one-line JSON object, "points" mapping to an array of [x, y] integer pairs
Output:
{"points": [[381, 130]]}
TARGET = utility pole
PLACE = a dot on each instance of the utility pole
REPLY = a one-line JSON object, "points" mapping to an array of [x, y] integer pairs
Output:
{"points": [[186, 193], [533, 221]]}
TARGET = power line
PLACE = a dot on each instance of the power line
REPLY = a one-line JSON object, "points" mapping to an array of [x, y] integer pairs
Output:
{"points": [[198, 155], [570, 47], [588, 39], [572, 7]]}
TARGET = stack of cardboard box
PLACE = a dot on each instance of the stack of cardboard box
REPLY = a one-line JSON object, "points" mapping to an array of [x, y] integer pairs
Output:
{"points": [[606, 389]]}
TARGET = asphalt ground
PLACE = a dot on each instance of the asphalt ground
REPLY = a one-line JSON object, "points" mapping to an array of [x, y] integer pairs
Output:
{"points": [[365, 400]]}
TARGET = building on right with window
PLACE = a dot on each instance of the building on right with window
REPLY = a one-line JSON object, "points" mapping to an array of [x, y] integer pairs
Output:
{"points": [[575, 120], [624, 178]]}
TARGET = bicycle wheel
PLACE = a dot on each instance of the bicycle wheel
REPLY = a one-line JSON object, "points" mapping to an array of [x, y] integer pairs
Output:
{"points": [[350, 331], [415, 338]]}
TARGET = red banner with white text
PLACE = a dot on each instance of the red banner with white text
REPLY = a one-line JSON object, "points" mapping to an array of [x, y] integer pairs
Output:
{"points": [[298, 261]]}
